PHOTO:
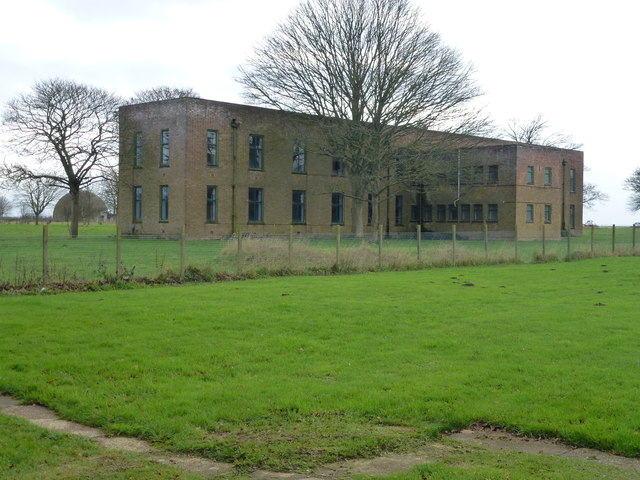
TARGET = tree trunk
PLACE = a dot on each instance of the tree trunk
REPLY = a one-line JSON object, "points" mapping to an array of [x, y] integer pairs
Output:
{"points": [[357, 216], [37, 217], [75, 210]]}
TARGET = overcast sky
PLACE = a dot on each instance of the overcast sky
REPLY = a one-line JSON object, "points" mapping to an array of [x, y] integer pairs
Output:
{"points": [[572, 61]]}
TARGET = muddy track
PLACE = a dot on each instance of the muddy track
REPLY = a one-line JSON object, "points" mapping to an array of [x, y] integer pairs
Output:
{"points": [[384, 465]]}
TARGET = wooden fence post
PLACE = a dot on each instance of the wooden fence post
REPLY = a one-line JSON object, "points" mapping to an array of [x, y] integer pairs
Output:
{"points": [[453, 244], [182, 262], [419, 241], [337, 245], [633, 240], [544, 241], [486, 240], [45, 254], [118, 253], [515, 243], [290, 245], [568, 244], [613, 238], [239, 251], [380, 246], [593, 227]]}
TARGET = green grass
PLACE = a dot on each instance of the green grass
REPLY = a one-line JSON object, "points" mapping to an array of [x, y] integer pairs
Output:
{"points": [[291, 372], [31, 453]]}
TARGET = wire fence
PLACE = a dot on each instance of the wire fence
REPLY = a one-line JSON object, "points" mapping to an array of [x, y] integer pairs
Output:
{"points": [[27, 260]]}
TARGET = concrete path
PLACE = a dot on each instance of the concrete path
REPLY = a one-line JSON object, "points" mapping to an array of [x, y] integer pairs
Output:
{"points": [[384, 465]]}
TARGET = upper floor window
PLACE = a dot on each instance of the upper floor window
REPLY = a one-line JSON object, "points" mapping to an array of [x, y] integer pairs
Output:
{"points": [[212, 204], [530, 175], [256, 152], [299, 165], [492, 174], [337, 168], [212, 148], [548, 174], [137, 162], [164, 203], [572, 180], [164, 155], [478, 174]]}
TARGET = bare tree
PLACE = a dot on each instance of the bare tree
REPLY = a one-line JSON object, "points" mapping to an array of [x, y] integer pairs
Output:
{"points": [[632, 183], [36, 195], [162, 93], [591, 195], [537, 132], [5, 205], [373, 77], [70, 129], [108, 189]]}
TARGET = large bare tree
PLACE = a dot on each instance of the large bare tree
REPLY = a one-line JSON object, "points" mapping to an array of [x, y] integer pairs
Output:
{"points": [[591, 195], [36, 194], [373, 76], [5, 205], [68, 130], [538, 131], [632, 183], [162, 92]]}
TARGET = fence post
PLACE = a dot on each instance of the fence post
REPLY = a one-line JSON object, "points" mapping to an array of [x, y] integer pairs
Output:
{"points": [[515, 242], [239, 251], [337, 245], [486, 240], [45, 254], [118, 253], [592, 241], [453, 244], [613, 238], [633, 240], [568, 245], [380, 246], [419, 241], [182, 265], [544, 239], [290, 245]]}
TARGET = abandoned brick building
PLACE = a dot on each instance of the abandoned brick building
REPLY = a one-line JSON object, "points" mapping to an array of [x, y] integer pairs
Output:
{"points": [[219, 168]]}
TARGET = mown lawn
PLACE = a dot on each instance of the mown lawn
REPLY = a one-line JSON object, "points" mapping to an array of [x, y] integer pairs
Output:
{"points": [[288, 373]]}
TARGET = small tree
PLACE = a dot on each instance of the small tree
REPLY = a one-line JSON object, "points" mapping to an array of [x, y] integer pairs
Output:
{"points": [[108, 189], [537, 132], [632, 183], [36, 195], [5, 205], [591, 195], [69, 129]]}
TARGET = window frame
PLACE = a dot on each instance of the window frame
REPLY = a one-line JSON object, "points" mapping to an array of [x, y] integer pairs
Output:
{"points": [[137, 203], [530, 175], [337, 208], [492, 175], [211, 212], [299, 159], [465, 212], [441, 212], [548, 176], [298, 207], [492, 212], [212, 157], [337, 168], [137, 150], [572, 217], [478, 207], [547, 213], [256, 151], [164, 204], [572, 180], [164, 148], [529, 216], [255, 212], [399, 210]]}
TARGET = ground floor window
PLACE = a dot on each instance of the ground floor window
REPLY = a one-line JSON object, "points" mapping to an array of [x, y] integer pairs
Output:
{"points": [[547, 214], [212, 204], [572, 216], [529, 213], [255, 205], [164, 203], [399, 209], [453, 213], [478, 212], [441, 213], [137, 204], [465, 212], [297, 206], [492, 212], [337, 208]]}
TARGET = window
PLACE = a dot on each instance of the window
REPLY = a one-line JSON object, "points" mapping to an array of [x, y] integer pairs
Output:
{"points": [[212, 148], [453, 213], [493, 174], [441, 213], [297, 207], [465, 212], [255, 205], [337, 208], [529, 213], [137, 204], [298, 159], [399, 210], [337, 168], [212, 204], [572, 180], [369, 209], [138, 150], [547, 175], [530, 175], [492, 212], [478, 174], [164, 157], [256, 152], [164, 203], [414, 213], [547, 214], [427, 213], [572, 216], [478, 214]]}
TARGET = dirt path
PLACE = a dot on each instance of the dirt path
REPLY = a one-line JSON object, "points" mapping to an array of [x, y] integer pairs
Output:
{"points": [[384, 465]]}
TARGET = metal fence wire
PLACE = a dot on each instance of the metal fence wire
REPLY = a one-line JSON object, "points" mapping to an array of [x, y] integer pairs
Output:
{"points": [[52, 259]]}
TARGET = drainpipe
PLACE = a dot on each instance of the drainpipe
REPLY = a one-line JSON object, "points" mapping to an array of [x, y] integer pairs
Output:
{"points": [[234, 142]]}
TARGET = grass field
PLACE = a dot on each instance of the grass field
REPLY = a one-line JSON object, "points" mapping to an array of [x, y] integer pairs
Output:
{"points": [[288, 373], [92, 256]]}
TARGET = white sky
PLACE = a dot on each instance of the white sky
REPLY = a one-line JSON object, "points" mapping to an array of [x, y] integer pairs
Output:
{"points": [[575, 62]]}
